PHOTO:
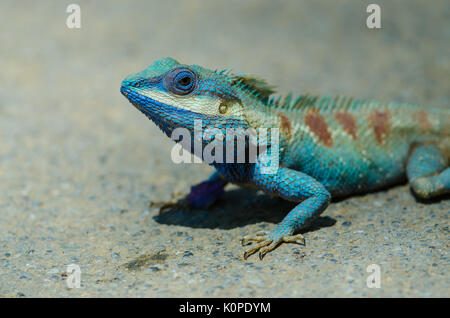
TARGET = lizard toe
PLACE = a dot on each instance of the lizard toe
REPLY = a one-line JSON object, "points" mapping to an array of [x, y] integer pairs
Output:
{"points": [[258, 237], [285, 239], [267, 243], [294, 239], [174, 203], [263, 251], [257, 247]]}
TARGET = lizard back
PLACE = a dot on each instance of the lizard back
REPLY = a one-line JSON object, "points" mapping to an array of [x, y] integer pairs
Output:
{"points": [[356, 146]]}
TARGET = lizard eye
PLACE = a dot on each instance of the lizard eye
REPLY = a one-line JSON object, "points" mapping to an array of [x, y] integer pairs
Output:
{"points": [[181, 81]]}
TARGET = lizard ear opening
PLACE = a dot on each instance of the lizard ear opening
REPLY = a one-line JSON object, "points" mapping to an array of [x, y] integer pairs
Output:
{"points": [[255, 84], [223, 108]]}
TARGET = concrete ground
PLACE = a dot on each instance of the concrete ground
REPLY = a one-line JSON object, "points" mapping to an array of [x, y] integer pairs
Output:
{"points": [[79, 165]]}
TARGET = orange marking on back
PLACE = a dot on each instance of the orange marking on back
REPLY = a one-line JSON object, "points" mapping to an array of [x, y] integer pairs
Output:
{"points": [[319, 127], [379, 120], [347, 122], [286, 126], [421, 116]]}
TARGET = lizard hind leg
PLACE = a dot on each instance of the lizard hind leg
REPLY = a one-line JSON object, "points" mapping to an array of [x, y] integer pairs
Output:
{"points": [[428, 172]]}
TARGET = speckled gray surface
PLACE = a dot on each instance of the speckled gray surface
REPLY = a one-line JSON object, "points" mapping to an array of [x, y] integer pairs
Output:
{"points": [[79, 165]]}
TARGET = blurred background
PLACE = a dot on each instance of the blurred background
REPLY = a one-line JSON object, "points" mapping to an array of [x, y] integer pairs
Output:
{"points": [[79, 165]]}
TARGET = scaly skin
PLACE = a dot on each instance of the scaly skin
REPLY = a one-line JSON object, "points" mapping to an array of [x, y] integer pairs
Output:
{"points": [[329, 147]]}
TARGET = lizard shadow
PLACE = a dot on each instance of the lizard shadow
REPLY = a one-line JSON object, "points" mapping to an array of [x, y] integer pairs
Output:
{"points": [[382, 189], [237, 208], [430, 201], [242, 206]]}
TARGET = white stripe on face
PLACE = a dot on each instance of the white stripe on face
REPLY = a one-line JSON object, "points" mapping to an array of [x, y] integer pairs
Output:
{"points": [[206, 105]]}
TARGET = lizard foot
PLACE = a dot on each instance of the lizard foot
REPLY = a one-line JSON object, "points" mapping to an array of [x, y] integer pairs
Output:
{"points": [[202, 196], [267, 242], [174, 203]]}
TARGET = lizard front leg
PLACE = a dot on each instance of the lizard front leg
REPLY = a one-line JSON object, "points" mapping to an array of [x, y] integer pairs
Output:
{"points": [[293, 186], [207, 192]]}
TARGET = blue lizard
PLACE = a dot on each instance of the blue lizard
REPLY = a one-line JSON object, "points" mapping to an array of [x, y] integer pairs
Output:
{"points": [[328, 146]]}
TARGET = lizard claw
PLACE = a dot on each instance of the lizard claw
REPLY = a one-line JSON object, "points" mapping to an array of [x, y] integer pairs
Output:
{"points": [[202, 196], [174, 203], [267, 244]]}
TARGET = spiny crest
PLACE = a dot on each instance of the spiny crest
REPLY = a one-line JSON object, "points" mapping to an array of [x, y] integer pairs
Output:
{"points": [[289, 103], [255, 86], [223, 72], [324, 103]]}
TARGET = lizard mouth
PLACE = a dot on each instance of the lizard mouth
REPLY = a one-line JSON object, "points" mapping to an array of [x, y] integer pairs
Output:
{"points": [[131, 96], [139, 100], [147, 104], [124, 91]]}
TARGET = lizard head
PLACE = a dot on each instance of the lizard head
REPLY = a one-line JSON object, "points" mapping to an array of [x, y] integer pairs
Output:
{"points": [[174, 95]]}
